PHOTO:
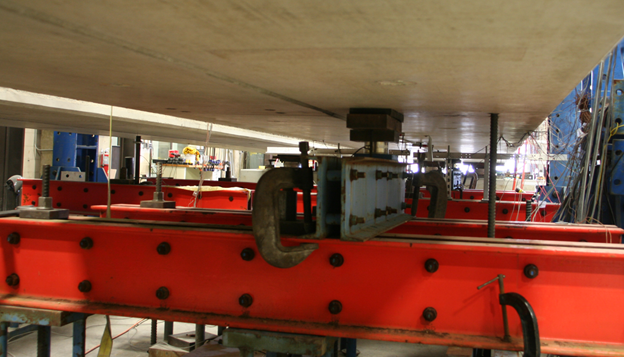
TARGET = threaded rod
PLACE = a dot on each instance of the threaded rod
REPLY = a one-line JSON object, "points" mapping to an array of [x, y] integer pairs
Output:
{"points": [[492, 186], [45, 187]]}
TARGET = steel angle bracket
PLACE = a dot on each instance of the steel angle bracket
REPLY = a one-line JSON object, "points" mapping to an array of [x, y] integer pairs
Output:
{"points": [[372, 197]]}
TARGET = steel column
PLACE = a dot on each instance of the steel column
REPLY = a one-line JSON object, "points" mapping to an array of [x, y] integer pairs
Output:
{"points": [[492, 178], [44, 336], [79, 337], [4, 332]]}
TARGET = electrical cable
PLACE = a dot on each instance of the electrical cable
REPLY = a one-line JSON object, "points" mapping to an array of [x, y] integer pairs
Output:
{"points": [[120, 334]]}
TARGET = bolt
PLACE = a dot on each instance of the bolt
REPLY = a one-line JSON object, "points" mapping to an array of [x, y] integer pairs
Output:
{"points": [[355, 174], [86, 243], [467, 209], [245, 300], [84, 286], [159, 178], [390, 210], [379, 212], [380, 174], [431, 265], [336, 260], [531, 271], [248, 254], [12, 280], [45, 189], [353, 220], [430, 314], [162, 293], [163, 248], [13, 238], [335, 307]]}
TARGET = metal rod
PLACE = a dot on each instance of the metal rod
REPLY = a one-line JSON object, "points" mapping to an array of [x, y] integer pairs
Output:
{"points": [[492, 186], [200, 335], [501, 287], [486, 180], [486, 284], [529, 210], [137, 159], [159, 178], [154, 332], [582, 216], [44, 336], [79, 337], [4, 331], [45, 184], [168, 330]]}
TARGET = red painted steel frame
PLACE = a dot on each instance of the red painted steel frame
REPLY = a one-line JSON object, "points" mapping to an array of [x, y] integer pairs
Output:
{"points": [[444, 227], [473, 209], [382, 285], [78, 197]]}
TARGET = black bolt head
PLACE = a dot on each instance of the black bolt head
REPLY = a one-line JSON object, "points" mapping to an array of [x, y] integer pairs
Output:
{"points": [[162, 293], [430, 314], [163, 248], [12, 280], [335, 307], [13, 238], [86, 243], [505, 211], [245, 300], [467, 209], [336, 260], [431, 265], [248, 254], [84, 286], [531, 271]]}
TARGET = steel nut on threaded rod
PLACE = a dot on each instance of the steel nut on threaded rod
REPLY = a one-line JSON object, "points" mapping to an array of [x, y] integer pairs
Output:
{"points": [[335, 307], [13, 238], [245, 300], [163, 248], [336, 260], [162, 293], [531, 271], [430, 314], [12, 280], [431, 265], [248, 254], [84, 286], [86, 243]]}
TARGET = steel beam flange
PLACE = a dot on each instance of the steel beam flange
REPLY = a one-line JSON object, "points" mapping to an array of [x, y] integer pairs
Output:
{"points": [[265, 218]]}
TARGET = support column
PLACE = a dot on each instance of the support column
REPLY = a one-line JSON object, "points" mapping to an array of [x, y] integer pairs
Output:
{"points": [[492, 185], [80, 334], [4, 335], [168, 330], [200, 335], [12, 160], [44, 335]]}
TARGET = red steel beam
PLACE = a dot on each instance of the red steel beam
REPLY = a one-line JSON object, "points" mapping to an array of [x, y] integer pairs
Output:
{"points": [[78, 197], [443, 227], [473, 209], [383, 285]]}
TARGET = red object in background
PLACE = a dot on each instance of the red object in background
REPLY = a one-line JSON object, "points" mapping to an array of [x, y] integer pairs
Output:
{"points": [[174, 153], [383, 285]]}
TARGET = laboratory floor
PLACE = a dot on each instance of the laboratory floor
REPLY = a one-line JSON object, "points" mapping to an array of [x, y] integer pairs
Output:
{"points": [[136, 341]]}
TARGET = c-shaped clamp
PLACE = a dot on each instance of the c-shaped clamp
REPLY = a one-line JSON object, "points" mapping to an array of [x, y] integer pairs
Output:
{"points": [[266, 215], [528, 319]]}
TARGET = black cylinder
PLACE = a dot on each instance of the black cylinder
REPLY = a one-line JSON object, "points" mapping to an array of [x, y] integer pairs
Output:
{"points": [[45, 185], [492, 196], [529, 209], [159, 178], [137, 159]]}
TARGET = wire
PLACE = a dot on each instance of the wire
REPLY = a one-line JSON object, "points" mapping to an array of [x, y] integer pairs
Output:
{"points": [[358, 150], [119, 335]]}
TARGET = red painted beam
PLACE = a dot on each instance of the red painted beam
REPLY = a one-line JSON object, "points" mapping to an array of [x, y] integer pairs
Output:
{"points": [[78, 197], [443, 227], [383, 285]]}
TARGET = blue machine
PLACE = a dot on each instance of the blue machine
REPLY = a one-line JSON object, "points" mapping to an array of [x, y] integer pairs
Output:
{"points": [[599, 196], [74, 152]]}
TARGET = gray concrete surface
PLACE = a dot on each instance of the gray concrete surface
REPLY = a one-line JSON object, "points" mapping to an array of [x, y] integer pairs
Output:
{"points": [[136, 342]]}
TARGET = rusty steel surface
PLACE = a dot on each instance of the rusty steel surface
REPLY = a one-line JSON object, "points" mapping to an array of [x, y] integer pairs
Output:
{"points": [[421, 226], [575, 295], [26, 315], [78, 197]]}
